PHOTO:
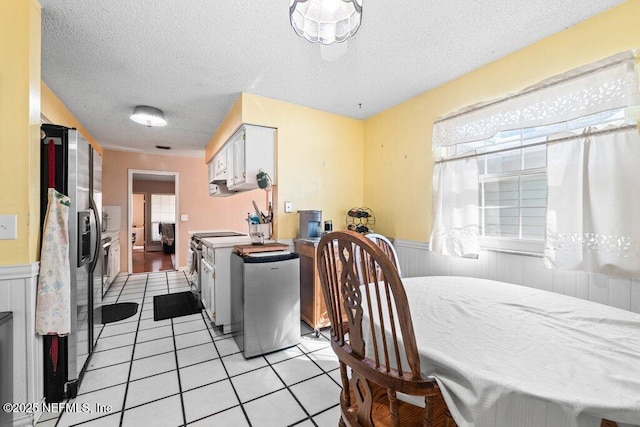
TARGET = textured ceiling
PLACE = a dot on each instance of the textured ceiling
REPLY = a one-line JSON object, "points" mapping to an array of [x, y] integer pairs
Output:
{"points": [[192, 58]]}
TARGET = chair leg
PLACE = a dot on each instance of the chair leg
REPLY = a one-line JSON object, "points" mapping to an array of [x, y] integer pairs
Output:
{"points": [[393, 407], [364, 396], [345, 384], [436, 413]]}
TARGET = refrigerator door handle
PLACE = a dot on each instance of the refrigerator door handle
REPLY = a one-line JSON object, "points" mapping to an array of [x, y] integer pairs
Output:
{"points": [[96, 252]]}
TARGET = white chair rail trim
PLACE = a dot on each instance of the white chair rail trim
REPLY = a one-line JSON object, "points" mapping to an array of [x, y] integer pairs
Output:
{"points": [[21, 271]]}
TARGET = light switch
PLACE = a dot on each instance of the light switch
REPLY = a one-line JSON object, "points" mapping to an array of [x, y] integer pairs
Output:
{"points": [[8, 227], [287, 207], [184, 217]]}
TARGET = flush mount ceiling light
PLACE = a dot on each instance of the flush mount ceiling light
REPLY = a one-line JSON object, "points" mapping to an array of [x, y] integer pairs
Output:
{"points": [[325, 21], [148, 116]]}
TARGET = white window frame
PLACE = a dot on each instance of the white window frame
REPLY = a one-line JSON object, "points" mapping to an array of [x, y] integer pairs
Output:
{"points": [[154, 225], [512, 244]]}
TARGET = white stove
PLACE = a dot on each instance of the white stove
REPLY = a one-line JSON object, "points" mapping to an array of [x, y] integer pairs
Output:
{"points": [[210, 271]]}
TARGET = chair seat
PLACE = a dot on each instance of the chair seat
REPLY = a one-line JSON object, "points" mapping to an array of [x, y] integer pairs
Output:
{"points": [[408, 415]]}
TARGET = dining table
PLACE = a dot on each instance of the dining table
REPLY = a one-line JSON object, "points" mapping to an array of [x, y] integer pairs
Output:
{"points": [[510, 355]]}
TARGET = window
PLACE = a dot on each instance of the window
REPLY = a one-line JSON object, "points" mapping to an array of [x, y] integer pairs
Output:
{"points": [[512, 180], [509, 138], [163, 209]]}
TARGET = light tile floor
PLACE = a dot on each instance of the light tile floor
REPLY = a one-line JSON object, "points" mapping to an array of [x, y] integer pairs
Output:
{"points": [[185, 371]]}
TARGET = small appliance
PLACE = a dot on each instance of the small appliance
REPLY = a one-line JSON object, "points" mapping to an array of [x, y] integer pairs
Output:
{"points": [[310, 221]]}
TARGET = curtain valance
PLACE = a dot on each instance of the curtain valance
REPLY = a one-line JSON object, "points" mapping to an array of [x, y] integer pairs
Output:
{"points": [[600, 86]]}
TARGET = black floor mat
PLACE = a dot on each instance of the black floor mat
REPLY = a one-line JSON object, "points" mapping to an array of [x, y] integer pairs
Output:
{"points": [[120, 311], [175, 305]]}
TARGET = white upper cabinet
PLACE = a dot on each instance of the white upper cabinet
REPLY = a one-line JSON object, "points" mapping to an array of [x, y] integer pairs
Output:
{"points": [[220, 165], [234, 166], [253, 149], [212, 170]]}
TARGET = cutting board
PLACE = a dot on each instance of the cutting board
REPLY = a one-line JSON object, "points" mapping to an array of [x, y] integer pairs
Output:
{"points": [[267, 247]]}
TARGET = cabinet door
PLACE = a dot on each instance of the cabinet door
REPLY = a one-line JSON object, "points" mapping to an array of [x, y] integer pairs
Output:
{"points": [[220, 164], [307, 291], [205, 286], [211, 170], [239, 164], [228, 153], [115, 261]]}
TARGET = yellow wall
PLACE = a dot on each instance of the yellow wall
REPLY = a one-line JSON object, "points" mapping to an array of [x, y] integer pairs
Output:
{"points": [[24, 98], [20, 126], [229, 125], [397, 154], [57, 113], [318, 159]]}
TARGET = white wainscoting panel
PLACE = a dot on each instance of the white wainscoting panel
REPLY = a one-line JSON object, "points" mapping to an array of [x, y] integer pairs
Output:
{"points": [[18, 286], [416, 260]]}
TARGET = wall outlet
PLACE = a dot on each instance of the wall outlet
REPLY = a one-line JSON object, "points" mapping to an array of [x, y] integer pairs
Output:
{"points": [[8, 227], [287, 207], [184, 217]]}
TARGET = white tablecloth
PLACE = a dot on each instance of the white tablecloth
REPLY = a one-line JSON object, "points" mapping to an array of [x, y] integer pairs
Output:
{"points": [[508, 355]]}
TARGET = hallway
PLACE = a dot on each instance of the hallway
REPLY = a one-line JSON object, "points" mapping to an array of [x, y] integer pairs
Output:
{"points": [[151, 262]]}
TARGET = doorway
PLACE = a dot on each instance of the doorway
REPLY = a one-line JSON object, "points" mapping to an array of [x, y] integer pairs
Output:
{"points": [[152, 221]]}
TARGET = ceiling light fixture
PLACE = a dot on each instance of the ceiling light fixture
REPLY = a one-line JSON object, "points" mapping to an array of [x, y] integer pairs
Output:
{"points": [[325, 21], [148, 116]]}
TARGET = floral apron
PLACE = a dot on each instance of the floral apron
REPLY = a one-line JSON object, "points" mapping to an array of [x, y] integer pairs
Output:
{"points": [[53, 304]]}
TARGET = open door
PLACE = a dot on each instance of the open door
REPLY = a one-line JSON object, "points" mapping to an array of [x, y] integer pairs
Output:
{"points": [[153, 208]]}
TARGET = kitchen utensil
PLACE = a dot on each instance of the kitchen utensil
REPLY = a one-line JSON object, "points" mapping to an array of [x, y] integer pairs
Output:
{"points": [[258, 213]]}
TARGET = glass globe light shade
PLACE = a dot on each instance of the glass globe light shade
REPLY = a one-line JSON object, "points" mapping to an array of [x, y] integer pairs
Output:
{"points": [[148, 116], [325, 21]]}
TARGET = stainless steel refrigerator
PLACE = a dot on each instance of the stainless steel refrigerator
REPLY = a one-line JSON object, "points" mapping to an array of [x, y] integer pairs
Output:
{"points": [[76, 169]]}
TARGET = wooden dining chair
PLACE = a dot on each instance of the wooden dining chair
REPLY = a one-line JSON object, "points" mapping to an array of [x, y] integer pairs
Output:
{"points": [[387, 247], [372, 334]]}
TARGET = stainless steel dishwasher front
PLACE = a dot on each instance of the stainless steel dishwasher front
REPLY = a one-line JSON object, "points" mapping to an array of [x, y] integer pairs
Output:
{"points": [[265, 302]]}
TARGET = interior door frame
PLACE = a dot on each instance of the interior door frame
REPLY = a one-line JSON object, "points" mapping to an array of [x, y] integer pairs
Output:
{"points": [[176, 245]]}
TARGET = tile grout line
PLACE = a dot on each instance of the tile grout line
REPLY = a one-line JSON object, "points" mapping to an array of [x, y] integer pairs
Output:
{"points": [[86, 370], [175, 355], [214, 340], [102, 329], [133, 352], [293, 394], [57, 419], [244, 411]]}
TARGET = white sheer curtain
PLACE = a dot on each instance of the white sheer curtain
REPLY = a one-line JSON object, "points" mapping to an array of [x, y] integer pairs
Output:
{"points": [[593, 207], [604, 85], [455, 209]]}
